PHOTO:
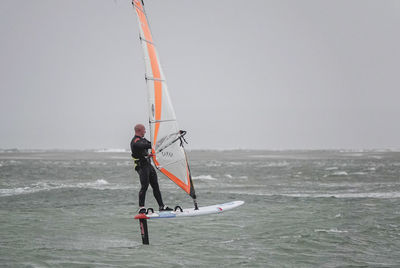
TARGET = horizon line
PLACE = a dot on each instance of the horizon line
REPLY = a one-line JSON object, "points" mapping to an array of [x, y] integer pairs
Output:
{"points": [[126, 150]]}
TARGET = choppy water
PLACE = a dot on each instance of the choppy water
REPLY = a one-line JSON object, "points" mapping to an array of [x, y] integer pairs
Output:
{"points": [[303, 209]]}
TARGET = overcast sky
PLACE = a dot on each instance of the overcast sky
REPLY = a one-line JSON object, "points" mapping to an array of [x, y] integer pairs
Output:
{"points": [[242, 74]]}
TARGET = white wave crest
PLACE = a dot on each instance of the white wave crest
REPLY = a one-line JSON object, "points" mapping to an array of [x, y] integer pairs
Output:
{"points": [[125, 164], [214, 164], [99, 184], [340, 173], [275, 164], [14, 191], [92, 184], [332, 168], [358, 173], [337, 173], [204, 177], [111, 150], [229, 176], [349, 195], [333, 230], [377, 195]]}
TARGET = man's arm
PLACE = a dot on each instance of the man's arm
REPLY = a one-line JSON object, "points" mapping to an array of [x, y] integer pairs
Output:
{"points": [[141, 144]]}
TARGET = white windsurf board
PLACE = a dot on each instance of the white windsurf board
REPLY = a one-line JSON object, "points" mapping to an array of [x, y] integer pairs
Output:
{"points": [[190, 212]]}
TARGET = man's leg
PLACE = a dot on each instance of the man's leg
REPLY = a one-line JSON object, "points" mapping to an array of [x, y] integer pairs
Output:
{"points": [[144, 173], [154, 185]]}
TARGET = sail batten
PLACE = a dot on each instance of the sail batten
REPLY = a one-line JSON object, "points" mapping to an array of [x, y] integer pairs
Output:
{"points": [[166, 165], [145, 40], [165, 120], [154, 79], [168, 154]]}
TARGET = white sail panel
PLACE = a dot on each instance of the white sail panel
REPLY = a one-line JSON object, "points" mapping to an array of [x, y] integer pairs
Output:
{"points": [[168, 154]]}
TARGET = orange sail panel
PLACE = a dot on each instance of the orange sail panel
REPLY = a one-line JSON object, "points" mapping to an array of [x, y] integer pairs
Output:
{"points": [[168, 154]]}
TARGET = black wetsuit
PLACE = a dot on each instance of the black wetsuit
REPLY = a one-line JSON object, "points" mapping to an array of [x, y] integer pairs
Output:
{"points": [[146, 171]]}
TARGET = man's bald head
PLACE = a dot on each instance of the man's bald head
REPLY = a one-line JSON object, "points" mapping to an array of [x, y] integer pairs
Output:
{"points": [[140, 130]]}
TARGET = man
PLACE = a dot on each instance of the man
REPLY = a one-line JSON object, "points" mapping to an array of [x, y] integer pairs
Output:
{"points": [[147, 173]]}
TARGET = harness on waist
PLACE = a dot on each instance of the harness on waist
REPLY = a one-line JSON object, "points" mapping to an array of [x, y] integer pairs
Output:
{"points": [[138, 162]]}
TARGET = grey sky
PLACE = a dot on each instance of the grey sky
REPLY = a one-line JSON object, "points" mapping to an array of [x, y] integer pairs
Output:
{"points": [[241, 74]]}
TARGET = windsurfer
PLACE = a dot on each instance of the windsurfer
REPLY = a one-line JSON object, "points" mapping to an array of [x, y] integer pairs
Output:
{"points": [[147, 173]]}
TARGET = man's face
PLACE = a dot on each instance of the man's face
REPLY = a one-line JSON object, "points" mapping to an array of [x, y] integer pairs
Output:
{"points": [[142, 131]]}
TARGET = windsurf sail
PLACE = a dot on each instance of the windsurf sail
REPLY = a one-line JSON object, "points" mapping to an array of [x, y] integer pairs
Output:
{"points": [[169, 156]]}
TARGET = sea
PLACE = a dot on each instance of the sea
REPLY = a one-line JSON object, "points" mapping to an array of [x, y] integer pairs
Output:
{"points": [[302, 209]]}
